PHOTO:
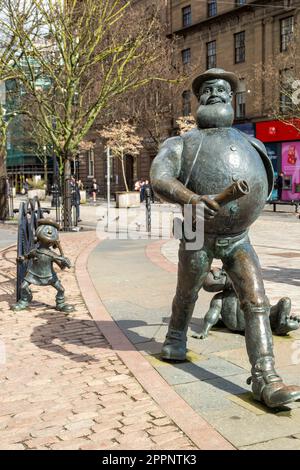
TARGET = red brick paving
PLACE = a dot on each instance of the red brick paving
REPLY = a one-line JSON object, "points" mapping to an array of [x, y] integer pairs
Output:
{"points": [[62, 386]]}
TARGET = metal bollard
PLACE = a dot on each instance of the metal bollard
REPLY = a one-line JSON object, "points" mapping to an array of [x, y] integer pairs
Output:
{"points": [[148, 208]]}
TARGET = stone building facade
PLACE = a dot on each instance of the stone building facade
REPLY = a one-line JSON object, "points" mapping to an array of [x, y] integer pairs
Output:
{"points": [[259, 41], [251, 38], [241, 36]]}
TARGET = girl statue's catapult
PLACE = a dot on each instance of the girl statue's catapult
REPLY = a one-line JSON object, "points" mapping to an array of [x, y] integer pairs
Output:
{"points": [[40, 271]]}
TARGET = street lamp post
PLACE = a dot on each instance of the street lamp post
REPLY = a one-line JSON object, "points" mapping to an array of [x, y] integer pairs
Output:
{"points": [[108, 182], [4, 121]]}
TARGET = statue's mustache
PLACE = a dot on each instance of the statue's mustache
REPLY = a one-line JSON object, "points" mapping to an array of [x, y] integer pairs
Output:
{"points": [[214, 100]]}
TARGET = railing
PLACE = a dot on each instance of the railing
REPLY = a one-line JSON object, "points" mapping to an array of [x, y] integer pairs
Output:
{"points": [[59, 204]]}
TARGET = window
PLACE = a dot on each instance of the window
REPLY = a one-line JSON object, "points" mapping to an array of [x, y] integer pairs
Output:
{"points": [[239, 47], [211, 55], [91, 162], [286, 32], [286, 80], [211, 8], [187, 16], [238, 3], [186, 56], [240, 100], [186, 103]]}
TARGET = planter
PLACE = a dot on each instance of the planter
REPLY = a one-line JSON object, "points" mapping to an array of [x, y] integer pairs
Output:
{"points": [[82, 197], [128, 199], [40, 193]]}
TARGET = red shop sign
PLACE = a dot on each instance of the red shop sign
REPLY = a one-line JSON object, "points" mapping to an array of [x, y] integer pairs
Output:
{"points": [[277, 131]]}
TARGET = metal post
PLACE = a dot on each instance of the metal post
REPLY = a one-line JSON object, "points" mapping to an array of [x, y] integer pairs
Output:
{"points": [[148, 208], [10, 203], [108, 182]]}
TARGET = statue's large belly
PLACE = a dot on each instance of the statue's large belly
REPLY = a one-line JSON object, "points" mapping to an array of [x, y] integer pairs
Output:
{"points": [[225, 157]]}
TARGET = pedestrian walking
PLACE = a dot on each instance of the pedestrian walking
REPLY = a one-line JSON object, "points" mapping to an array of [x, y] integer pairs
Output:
{"points": [[80, 185], [76, 198], [25, 186], [137, 185], [95, 190], [279, 185], [142, 191]]}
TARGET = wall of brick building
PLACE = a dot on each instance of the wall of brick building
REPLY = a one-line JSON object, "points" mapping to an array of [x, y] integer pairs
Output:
{"points": [[199, 10], [262, 41]]}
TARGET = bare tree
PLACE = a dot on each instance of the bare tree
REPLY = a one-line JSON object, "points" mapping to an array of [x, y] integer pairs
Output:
{"points": [[281, 100], [123, 141], [185, 123], [76, 59], [153, 106], [7, 42]]}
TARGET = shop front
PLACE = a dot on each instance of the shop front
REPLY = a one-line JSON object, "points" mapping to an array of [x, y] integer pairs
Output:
{"points": [[282, 142]]}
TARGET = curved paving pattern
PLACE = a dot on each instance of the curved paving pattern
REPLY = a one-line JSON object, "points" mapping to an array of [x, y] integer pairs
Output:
{"points": [[62, 386]]}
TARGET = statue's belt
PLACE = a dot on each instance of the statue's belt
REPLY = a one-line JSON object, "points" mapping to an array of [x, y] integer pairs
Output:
{"points": [[223, 241]]}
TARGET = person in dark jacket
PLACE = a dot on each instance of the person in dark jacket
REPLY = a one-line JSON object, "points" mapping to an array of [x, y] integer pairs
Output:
{"points": [[279, 185], [76, 198]]}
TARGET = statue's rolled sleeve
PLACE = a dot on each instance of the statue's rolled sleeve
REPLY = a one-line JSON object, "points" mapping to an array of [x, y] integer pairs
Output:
{"points": [[165, 172]]}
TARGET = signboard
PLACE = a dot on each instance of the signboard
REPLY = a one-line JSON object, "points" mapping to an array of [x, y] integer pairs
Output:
{"points": [[277, 131], [291, 170]]}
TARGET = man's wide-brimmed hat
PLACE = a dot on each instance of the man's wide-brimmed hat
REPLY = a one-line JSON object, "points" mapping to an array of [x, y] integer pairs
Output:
{"points": [[214, 74]]}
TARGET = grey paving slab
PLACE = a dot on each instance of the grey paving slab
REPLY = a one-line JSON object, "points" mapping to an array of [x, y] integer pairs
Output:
{"points": [[290, 374], [283, 443], [217, 341], [7, 237], [139, 334], [128, 311], [210, 369], [206, 396], [150, 347], [258, 428]]}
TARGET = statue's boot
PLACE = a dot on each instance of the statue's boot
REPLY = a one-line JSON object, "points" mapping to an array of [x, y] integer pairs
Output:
{"points": [[26, 298], [63, 307], [267, 385], [174, 347], [21, 305]]}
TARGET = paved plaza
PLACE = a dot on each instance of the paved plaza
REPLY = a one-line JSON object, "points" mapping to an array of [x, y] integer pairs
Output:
{"points": [[213, 381], [94, 379]]}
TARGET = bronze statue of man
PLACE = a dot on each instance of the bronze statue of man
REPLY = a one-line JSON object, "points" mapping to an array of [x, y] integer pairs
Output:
{"points": [[191, 169]]}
